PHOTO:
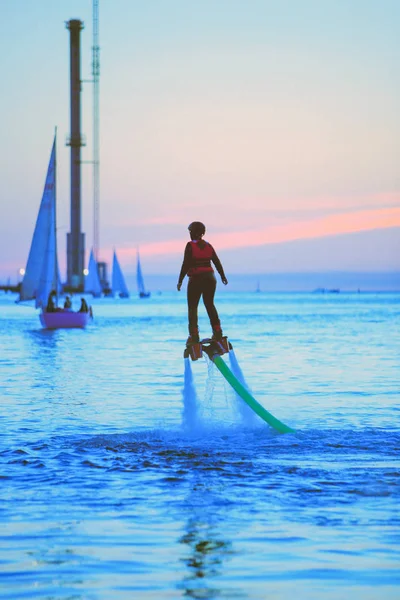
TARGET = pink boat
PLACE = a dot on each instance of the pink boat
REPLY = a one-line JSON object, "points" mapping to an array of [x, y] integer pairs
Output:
{"points": [[65, 319]]}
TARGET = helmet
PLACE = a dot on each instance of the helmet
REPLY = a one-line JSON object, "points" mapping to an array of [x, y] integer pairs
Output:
{"points": [[197, 228]]}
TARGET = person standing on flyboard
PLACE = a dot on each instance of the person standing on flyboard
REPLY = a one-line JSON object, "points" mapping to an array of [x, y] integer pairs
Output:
{"points": [[197, 265]]}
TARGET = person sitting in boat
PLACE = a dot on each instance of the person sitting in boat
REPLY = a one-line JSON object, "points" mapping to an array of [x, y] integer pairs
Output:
{"points": [[84, 307], [67, 303], [52, 302], [197, 265]]}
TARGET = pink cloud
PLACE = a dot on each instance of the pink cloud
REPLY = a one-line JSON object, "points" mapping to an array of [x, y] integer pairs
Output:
{"points": [[337, 224]]}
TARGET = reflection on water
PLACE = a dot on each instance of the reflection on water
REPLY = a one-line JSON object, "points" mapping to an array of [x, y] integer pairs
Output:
{"points": [[44, 338], [206, 549], [205, 559]]}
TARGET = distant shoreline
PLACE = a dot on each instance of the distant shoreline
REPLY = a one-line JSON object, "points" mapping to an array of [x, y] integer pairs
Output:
{"points": [[291, 282], [331, 282]]}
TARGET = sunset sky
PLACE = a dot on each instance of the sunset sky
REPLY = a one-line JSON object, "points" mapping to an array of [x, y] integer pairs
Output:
{"points": [[272, 121]]}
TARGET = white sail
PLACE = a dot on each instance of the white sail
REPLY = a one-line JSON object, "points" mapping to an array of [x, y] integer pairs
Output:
{"points": [[92, 280], [118, 280], [41, 273], [49, 276], [140, 280]]}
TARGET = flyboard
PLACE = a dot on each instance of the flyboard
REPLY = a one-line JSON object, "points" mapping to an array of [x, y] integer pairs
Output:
{"points": [[214, 350]]}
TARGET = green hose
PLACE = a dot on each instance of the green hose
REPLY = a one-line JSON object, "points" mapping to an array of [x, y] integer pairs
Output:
{"points": [[248, 398]]}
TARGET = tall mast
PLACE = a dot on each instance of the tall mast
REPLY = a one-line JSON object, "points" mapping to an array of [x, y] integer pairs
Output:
{"points": [[75, 239], [55, 275], [96, 145]]}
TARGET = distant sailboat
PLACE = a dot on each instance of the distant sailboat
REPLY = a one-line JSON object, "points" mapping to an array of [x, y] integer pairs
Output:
{"points": [[140, 281], [118, 280], [258, 289], [92, 279], [42, 273]]}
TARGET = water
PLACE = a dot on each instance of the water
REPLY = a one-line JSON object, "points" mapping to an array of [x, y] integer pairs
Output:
{"points": [[117, 483]]}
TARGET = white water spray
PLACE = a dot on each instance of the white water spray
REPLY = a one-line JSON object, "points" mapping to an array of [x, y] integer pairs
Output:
{"points": [[209, 391], [190, 402], [248, 416]]}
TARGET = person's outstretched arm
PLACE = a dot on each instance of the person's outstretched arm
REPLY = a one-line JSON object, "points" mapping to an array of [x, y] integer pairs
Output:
{"points": [[219, 267], [187, 260]]}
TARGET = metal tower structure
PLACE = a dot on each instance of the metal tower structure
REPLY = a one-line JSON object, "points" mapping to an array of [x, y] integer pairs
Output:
{"points": [[96, 123], [75, 239]]}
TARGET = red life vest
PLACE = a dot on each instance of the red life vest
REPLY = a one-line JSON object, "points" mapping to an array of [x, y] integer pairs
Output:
{"points": [[201, 258]]}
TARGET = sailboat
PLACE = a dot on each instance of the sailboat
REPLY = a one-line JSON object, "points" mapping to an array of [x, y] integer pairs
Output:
{"points": [[42, 273], [92, 279], [118, 280], [140, 281]]}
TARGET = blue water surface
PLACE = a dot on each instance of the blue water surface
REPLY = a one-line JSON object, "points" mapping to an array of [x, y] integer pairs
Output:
{"points": [[118, 481]]}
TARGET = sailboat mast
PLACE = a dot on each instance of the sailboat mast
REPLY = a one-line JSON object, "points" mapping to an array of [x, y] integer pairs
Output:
{"points": [[96, 121], [55, 275]]}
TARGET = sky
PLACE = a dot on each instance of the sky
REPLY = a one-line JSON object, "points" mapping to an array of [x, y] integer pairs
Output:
{"points": [[275, 122]]}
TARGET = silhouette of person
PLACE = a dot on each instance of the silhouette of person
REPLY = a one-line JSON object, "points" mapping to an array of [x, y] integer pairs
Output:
{"points": [[84, 307], [67, 303], [52, 302], [202, 283]]}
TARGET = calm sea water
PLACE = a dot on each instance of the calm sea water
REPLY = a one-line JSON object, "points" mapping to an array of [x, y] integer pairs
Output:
{"points": [[115, 482]]}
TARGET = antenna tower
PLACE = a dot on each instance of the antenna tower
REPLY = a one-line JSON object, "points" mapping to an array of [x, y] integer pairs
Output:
{"points": [[96, 122]]}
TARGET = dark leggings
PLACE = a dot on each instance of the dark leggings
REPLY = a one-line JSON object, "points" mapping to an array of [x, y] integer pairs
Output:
{"points": [[204, 285]]}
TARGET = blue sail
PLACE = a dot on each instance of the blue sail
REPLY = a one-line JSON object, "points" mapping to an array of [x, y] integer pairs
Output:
{"points": [[42, 273], [118, 280], [92, 279], [139, 279]]}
